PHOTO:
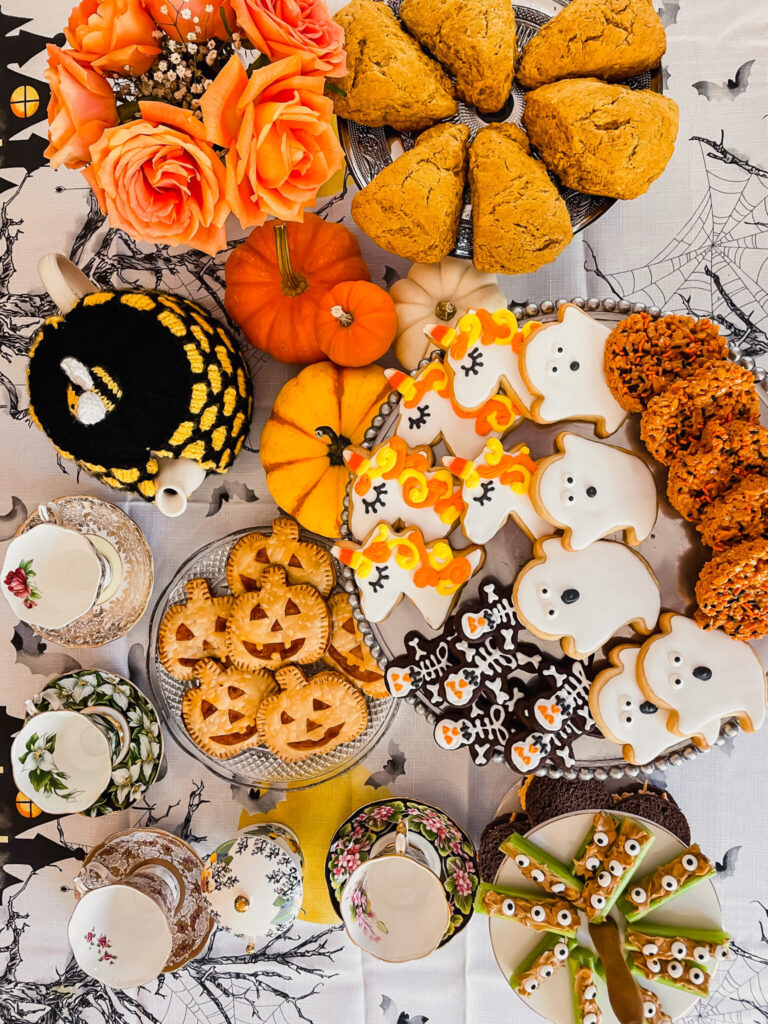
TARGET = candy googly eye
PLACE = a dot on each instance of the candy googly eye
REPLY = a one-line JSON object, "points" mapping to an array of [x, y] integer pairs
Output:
{"points": [[559, 350], [669, 883], [530, 985], [590, 1018], [632, 847], [557, 887], [679, 949], [675, 969], [600, 839], [700, 953], [675, 658], [638, 894], [653, 965], [626, 701], [568, 480], [597, 901], [626, 718], [722, 952], [570, 498], [508, 908], [649, 1009], [551, 613], [547, 970], [616, 868], [689, 862], [650, 949], [696, 975], [590, 992], [564, 918], [552, 369], [538, 913], [543, 592], [561, 951], [537, 876], [592, 863], [522, 861], [604, 879], [677, 681]]}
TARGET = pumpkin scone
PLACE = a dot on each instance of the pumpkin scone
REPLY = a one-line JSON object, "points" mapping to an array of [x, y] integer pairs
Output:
{"points": [[724, 454], [644, 354], [278, 624], [520, 220], [739, 514], [609, 39], [311, 716], [194, 630], [303, 561], [348, 651], [674, 420], [474, 39], [389, 80], [412, 207], [732, 591], [606, 140], [220, 713]]}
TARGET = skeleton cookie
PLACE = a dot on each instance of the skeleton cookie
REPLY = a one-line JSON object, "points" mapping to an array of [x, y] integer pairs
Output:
{"points": [[626, 716], [701, 674], [590, 490], [482, 354], [429, 412], [583, 597], [393, 484], [562, 364], [497, 485], [389, 566]]}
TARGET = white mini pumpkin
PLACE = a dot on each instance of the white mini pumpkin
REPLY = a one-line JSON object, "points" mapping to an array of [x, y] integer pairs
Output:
{"points": [[438, 292]]}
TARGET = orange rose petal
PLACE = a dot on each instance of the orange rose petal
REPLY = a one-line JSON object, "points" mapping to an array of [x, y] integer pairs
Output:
{"points": [[132, 59], [175, 117], [220, 103]]}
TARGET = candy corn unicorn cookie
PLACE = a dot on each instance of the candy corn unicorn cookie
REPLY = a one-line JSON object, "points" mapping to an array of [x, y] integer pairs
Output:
{"points": [[389, 566], [394, 484]]}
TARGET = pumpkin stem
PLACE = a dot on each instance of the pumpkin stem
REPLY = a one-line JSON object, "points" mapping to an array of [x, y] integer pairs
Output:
{"points": [[291, 283], [336, 444], [344, 317], [445, 310]]}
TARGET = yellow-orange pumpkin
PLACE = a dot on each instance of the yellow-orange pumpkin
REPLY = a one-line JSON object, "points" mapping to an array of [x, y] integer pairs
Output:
{"points": [[277, 277], [316, 415], [356, 323]]}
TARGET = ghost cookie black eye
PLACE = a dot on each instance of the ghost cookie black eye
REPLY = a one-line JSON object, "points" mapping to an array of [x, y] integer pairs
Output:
{"points": [[591, 491], [574, 365], [702, 672], [570, 596]]}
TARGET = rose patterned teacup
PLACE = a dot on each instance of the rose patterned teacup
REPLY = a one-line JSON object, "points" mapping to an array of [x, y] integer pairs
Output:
{"points": [[393, 905]]}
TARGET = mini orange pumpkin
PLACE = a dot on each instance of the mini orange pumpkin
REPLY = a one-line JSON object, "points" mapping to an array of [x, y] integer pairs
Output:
{"points": [[277, 277], [356, 323], [316, 415]]}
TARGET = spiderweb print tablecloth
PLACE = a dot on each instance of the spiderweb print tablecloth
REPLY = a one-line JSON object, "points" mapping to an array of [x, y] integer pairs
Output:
{"points": [[698, 241]]}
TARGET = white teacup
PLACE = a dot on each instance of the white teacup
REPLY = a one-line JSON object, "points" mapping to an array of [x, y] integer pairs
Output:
{"points": [[62, 761], [52, 574], [394, 906], [121, 929]]}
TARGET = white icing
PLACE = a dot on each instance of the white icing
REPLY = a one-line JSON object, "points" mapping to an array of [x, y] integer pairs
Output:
{"points": [[383, 500], [592, 490], [587, 595], [673, 667], [489, 502], [382, 583], [563, 363], [615, 702]]}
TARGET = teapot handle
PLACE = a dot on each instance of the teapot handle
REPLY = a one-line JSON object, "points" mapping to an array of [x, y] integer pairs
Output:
{"points": [[64, 282]]}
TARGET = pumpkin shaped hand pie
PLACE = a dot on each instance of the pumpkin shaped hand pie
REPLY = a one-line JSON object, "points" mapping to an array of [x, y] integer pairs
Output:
{"points": [[311, 716], [278, 624], [220, 713], [303, 562], [195, 630], [349, 652]]}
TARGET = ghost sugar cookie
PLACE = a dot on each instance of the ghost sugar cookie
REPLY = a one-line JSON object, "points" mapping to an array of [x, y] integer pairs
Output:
{"points": [[582, 598], [496, 486], [303, 561], [348, 651], [395, 484], [701, 674], [193, 630], [590, 490], [220, 713], [278, 624], [562, 364]]}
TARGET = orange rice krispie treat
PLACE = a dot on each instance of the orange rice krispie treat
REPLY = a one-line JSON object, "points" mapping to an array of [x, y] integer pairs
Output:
{"points": [[644, 354], [739, 514], [674, 420], [732, 591]]}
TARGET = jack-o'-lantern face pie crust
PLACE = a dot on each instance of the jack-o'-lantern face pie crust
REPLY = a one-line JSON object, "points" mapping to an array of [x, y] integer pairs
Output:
{"points": [[310, 716], [349, 652], [194, 630], [303, 561], [278, 624], [220, 713]]}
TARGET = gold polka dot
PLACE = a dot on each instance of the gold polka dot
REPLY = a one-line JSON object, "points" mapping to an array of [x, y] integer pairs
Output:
{"points": [[214, 376], [241, 383], [126, 476], [194, 357], [199, 396], [209, 417], [175, 324], [97, 298], [138, 300], [148, 488], [230, 398], [237, 423], [194, 451], [218, 437], [201, 338], [181, 433], [152, 466]]}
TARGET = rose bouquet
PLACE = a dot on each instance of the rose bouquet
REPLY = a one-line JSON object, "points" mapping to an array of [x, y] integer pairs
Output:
{"points": [[180, 112]]}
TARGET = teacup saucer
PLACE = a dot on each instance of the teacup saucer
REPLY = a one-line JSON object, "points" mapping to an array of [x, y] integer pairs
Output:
{"points": [[122, 544], [193, 921], [444, 845], [137, 769]]}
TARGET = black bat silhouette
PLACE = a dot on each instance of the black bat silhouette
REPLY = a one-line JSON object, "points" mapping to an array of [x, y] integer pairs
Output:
{"points": [[391, 770], [668, 12], [11, 521], [728, 90], [225, 492], [726, 867], [394, 1016]]}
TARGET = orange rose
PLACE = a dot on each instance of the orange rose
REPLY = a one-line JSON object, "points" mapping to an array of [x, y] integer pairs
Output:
{"points": [[159, 180], [281, 28], [116, 36], [198, 19], [276, 126], [81, 106]]}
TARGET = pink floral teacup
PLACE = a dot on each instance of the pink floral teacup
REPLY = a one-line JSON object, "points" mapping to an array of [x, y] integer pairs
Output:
{"points": [[393, 905]]}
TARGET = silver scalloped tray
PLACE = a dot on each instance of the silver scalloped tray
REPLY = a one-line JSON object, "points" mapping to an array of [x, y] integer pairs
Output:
{"points": [[257, 767], [673, 551]]}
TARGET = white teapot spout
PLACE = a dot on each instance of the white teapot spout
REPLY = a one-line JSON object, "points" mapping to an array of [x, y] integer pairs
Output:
{"points": [[177, 479], [64, 282]]}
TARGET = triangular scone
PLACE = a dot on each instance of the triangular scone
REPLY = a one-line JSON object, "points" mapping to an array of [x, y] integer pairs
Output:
{"points": [[389, 79], [474, 39], [412, 207], [610, 39], [520, 221]]}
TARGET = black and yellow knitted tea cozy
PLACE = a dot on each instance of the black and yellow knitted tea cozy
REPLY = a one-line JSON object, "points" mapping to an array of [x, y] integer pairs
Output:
{"points": [[127, 376]]}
